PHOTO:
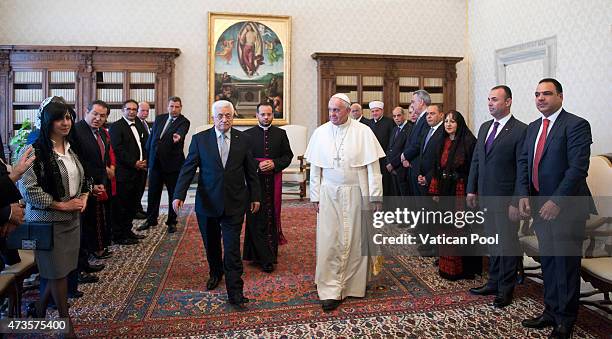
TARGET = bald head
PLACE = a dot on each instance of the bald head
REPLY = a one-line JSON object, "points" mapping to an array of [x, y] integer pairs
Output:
{"points": [[356, 111]]}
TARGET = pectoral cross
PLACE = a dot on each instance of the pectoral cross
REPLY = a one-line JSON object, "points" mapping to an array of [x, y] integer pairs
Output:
{"points": [[337, 160]]}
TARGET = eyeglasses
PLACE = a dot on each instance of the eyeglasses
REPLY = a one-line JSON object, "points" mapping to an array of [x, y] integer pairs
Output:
{"points": [[226, 116], [130, 109]]}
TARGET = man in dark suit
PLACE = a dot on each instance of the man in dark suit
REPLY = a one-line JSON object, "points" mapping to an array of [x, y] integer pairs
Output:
{"points": [[166, 157], [143, 113], [127, 139], [424, 168], [429, 147], [357, 114], [551, 184], [95, 158], [11, 212], [396, 146], [270, 147], [420, 101], [382, 127], [227, 185], [492, 178]]}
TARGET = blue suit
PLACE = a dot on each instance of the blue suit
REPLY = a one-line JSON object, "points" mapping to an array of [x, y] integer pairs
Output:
{"points": [[493, 176], [562, 179], [222, 198]]}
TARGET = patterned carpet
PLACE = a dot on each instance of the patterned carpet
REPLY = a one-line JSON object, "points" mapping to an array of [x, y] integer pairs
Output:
{"points": [[156, 289]]}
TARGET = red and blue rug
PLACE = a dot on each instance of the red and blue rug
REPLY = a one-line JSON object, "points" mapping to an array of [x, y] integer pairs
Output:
{"points": [[157, 289]]}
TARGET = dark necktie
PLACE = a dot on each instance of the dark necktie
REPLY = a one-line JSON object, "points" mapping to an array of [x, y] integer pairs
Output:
{"points": [[538, 154], [491, 137], [429, 134], [168, 123], [100, 144], [397, 130]]}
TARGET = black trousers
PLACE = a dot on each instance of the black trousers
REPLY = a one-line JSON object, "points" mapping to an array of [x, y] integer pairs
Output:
{"points": [[400, 182], [125, 205], [226, 260], [504, 259], [157, 180], [559, 244]]}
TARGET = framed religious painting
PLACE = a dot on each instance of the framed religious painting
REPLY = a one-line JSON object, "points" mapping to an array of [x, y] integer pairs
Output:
{"points": [[249, 62]]}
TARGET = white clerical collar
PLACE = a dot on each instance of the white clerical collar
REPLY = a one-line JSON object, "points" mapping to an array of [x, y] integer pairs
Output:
{"points": [[265, 128], [227, 134]]}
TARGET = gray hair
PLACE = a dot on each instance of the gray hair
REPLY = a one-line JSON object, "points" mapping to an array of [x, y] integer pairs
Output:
{"points": [[220, 104], [423, 95]]}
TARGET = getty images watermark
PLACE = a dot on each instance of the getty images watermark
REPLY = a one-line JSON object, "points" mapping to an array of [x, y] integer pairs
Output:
{"points": [[411, 220]]}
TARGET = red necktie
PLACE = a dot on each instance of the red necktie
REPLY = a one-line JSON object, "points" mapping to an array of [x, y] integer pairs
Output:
{"points": [[538, 154], [100, 144]]}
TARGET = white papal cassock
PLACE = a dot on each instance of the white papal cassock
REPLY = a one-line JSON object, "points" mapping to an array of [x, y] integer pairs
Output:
{"points": [[344, 170]]}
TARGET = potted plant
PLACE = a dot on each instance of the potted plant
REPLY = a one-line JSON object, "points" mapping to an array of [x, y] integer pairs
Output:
{"points": [[20, 140]]}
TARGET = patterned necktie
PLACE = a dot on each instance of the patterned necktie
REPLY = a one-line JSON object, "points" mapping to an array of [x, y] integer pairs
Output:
{"points": [[223, 149], [100, 144], [538, 155], [491, 137]]}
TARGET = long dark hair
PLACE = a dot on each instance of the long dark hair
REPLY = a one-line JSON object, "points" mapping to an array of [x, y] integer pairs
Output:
{"points": [[460, 152], [45, 166]]}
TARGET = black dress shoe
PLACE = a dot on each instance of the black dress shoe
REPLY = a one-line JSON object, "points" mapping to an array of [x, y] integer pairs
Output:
{"points": [[268, 268], [76, 295], [106, 254], [561, 332], [140, 215], [143, 227], [240, 303], [171, 228], [502, 301], [483, 290], [212, 283], [133, 235], [86, 278], [539, 322], [126, 241], [92, 268], [330, 304]]}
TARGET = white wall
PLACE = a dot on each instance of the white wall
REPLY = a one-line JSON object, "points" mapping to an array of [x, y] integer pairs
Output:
{"points": [[411, 27], [584, 59]]}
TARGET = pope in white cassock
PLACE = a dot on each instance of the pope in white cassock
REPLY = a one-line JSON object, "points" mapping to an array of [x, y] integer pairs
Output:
{"points": [[343, 155]]}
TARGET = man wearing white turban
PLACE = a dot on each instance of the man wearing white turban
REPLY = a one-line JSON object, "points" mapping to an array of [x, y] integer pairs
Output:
{"points": [[344, 175]]}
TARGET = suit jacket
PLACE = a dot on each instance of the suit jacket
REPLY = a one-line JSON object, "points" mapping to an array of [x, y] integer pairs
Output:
{"points": [[90, 156], [279, 148], [494, 173], [220, 190], [145, 125], [413, 142], [170, 153], [383, 130], [10, 193], [365, 121], [429, 155], [126, 149], [564, 164], [396, 145]]}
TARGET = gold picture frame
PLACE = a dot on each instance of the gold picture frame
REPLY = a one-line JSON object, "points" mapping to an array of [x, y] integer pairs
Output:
{"points": [[249, 62]]}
